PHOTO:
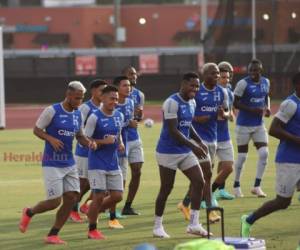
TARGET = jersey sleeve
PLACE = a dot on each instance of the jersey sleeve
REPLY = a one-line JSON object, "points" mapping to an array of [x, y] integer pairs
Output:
{"points": [[84, 109], [90, 125], [268, 85], [45, 117], [170, 109], [286, 110], [142, 100], [225, 103], [240, 88]]}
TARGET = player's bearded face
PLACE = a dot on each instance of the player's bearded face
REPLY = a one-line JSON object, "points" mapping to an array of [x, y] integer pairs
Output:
{"points": [[193, 87], [255, 72]]}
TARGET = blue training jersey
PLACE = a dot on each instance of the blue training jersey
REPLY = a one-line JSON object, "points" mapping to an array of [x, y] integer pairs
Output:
{"points": [[138, 99], [127, 109], [63, 126], [222, 125], [254, 96], [207, 103], [98, 126], [183, 111], [289, 113], [86, 109]]}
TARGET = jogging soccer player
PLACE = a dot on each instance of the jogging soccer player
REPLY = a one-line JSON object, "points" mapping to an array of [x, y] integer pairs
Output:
{"points": [[57, 126], [211, 104], [135, 147], [175, 150], [81, 153], [224, 151], [251, 98], [104, 172], [126, 107], [285, 127]]}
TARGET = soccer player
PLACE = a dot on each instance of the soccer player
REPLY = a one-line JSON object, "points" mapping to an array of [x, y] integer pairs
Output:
{"points": [[224, 144], [126, 107], [135, 148], [104, 172], [81, 153], [251, 98], [285, 127], [175, 150], [57, 126], [211, 104]]}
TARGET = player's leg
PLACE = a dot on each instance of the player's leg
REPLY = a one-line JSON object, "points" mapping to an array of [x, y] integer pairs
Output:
{"points": [[225, 168], [136, 160], [167, 178], [195, 175], [260, 139], [287, 176], [98, 184], [243, 136], [53, 181]]}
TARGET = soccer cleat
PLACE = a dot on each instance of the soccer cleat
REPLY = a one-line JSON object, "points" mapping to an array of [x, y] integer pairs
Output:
{"points": [[258, 191], [75, 217], [245, 227], [160, 233], [197, 230], [95, 235], [84, 208], [214, 217], [214, 202], [115, 224], [203, 205], [222, 194], [238, 192], [54, 239], [25, 220], [129, 211], [185, 211]]}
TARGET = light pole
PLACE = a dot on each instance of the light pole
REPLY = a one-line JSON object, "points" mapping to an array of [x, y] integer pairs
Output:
{"points": [[253, 29]]}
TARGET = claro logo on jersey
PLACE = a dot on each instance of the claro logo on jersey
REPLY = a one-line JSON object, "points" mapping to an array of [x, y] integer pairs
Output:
{"points": [[185, 123], [209, 109], [66, 132], [257, 100]]}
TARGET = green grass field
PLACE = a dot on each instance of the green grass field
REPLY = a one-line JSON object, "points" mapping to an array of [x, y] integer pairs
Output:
{"points": [[21, 185]]}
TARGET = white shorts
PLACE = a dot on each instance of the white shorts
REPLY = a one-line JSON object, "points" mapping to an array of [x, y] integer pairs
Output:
{"points": [[82, 166], [60, 180], [287, 179], [123, 163], [135, 151], [177, 161], [225, 151], [103, 181], [245, 134]]}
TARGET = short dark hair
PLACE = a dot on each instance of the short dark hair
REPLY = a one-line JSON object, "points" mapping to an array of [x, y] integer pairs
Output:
{"points": [[190, 75], [256, 61], [117, 80], [125, 69], [97, 82], [108, 89], [296, 79]]}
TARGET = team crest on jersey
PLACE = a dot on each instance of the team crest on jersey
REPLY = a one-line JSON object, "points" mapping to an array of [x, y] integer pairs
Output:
{"points": [[263, 88], [75, 121], [118, 121], [217, 96]]}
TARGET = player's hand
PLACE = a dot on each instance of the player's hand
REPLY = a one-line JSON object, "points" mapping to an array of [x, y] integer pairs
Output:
{"points": [[257, 111], [199, 152], [133, 123], [109, 139], [121, 148], [204, 147], [57, 144], [202, 118], [220, 113], [138, 113], [231, 117], [92, 145], [267, 112]]}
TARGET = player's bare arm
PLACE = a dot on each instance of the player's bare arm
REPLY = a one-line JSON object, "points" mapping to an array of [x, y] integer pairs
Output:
{"points": [[55, 143]]}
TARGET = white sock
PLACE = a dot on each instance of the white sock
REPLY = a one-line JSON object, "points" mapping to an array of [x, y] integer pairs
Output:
{"points": [[194, 220], [239, 164], [158, 221], [263, 154]]}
